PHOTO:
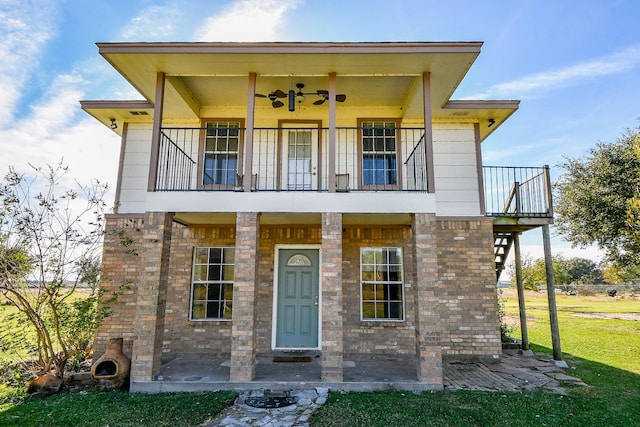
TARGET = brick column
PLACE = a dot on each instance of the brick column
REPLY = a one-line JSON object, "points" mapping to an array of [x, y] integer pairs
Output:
{"points": [[151, 296], [428, 333], [332, 346], [243, 331]]}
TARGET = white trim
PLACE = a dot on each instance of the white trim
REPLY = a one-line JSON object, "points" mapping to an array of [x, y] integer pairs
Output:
{"points": [[274, 310], [291, 201]]}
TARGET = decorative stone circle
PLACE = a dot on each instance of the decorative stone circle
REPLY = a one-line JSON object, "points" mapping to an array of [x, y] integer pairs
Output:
{"points": [[268, 402]]}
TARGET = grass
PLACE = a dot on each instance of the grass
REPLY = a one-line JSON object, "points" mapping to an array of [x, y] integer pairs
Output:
{"points": [[610, 341], [604, 353], [96, 408]]}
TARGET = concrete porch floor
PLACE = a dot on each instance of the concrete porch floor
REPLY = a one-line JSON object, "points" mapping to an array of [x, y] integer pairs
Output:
{"points": [[361, 373]]}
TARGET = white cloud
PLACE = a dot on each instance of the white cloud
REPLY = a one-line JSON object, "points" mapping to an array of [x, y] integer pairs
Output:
{"points": [[25, 30], [247, 21], [615, 63], [51, 133], [154, 23]]}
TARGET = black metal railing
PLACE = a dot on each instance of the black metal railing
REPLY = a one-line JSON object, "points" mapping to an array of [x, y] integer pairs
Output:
{"points": [[294, 159], [177, 167], [517, 191]]}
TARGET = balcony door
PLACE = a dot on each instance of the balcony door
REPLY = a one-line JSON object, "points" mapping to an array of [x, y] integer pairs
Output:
{"points": [[299, 142]]}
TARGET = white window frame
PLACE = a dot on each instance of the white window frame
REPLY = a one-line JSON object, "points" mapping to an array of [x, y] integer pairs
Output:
{"points": [[400, 282], [210, 281]]}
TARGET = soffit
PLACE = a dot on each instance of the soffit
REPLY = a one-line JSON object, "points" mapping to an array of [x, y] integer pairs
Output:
{"points": [[217, 73], [369, 74]]}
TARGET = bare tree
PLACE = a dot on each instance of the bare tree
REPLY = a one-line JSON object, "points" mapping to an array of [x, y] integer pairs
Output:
{"points": [[50, 240]]}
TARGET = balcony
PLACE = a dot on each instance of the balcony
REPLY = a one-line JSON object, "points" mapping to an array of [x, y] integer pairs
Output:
{"points": [[376, 157], [517, 192]]}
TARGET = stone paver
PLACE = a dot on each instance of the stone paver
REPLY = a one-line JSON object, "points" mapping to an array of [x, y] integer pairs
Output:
{"points": [[296, 415]]}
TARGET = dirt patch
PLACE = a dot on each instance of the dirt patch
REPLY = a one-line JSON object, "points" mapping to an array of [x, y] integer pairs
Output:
{"points": [[619, 316], [514, 320]]}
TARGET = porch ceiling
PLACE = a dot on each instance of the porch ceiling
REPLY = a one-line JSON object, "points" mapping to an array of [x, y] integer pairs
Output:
{"points": [[369, 74], [288, 218]]}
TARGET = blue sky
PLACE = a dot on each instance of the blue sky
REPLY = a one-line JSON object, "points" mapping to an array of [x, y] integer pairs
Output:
{"points": [[575, 66]]}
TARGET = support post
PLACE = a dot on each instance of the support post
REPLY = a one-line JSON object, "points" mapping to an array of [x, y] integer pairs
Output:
{"points": [[332, 313], [519, 285], [243, 330], [428, 132], [332, 133], [151, 297], [428, 328], [248, 145], [155, 133], [551, 295]]}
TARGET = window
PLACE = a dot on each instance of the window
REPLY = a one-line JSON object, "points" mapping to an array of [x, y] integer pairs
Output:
{"points": [[379, 154], [220, 157], [381, 283], [212, 285]]}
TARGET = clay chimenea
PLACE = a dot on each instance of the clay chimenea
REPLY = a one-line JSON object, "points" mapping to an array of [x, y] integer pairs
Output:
{"points": [[111, 371]]}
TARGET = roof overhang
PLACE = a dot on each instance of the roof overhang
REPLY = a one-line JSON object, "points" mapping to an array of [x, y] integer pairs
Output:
{"points": [[370, 74]]}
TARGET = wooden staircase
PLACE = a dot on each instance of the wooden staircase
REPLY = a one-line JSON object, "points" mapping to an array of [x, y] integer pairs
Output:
{"points": [[501, 247]]}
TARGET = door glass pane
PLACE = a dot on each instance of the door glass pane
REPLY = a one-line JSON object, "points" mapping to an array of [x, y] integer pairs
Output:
{"points": [[299, 168]]}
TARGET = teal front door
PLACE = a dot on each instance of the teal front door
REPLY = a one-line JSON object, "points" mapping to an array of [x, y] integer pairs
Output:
{"points": [[297, 299]]}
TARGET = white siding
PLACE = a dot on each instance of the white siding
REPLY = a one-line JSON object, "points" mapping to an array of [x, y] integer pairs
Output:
{"points": [[456, 170], [135, 169]]}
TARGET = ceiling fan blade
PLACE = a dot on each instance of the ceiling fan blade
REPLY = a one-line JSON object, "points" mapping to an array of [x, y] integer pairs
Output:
{"points": [[322, 92], [259, 95], [280, 94], [277, 104], [341, 97], [319, 101]]}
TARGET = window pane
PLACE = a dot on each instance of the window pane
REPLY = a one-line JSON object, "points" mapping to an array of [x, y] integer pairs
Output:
{"points": [[198, 311], [229, 255], [213, 292], [200, 273], [202, 255], [227, 272], [215, 271], [213, 309], [368, 292], [368, 310], [199, 292], [212, 299]]}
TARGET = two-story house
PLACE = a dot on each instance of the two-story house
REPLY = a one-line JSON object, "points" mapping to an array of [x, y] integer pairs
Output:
{"points": [[322, 199]]}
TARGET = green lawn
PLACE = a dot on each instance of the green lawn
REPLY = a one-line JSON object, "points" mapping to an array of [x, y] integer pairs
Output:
{"points": [[588, 328], [604, 353]]}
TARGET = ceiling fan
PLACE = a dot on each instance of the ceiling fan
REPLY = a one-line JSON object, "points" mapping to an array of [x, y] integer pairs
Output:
{"points": [[298, 97]]}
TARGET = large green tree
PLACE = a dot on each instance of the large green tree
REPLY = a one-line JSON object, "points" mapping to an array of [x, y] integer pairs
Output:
{"points": [[597, 199]]}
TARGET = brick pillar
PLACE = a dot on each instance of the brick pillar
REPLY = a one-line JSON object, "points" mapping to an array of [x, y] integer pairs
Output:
{"points": [[243, 331], [428, 332], [332, 346], [151, 296]]}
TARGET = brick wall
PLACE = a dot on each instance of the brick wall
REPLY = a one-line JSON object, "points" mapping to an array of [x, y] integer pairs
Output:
{"points": [[376, 337], [467, 280], [182, 336], [121, 274]]}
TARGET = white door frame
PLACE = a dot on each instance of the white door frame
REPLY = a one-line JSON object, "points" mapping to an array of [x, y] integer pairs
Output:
{"points": [[274, 311]]}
